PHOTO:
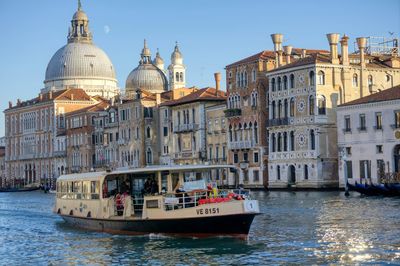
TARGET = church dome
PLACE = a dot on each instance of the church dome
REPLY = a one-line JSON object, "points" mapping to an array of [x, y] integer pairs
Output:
{"points": [[146, 77], [79, 60]]}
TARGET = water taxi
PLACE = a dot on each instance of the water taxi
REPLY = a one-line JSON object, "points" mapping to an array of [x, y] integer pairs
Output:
{"points": [[177, 200]]}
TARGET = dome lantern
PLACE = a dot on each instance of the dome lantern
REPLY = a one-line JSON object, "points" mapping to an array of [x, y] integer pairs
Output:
{"points": [[79, 30]]}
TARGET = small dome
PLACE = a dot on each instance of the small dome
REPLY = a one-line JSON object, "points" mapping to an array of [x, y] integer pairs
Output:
{"points": [[176, 56], [79, 60], [146, 77], [158, 60], [80, 15]]}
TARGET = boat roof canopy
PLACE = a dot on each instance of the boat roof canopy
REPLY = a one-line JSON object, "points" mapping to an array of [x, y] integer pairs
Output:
{"points": [[98, 176]]}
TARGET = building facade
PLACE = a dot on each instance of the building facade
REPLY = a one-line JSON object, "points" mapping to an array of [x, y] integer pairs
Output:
{"points": [[369, 138], [303, 97]]}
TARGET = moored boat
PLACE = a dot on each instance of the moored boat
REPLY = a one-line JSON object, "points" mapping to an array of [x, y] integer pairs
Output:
{"points": [[22, 189], [386, 190], [162, 199]]}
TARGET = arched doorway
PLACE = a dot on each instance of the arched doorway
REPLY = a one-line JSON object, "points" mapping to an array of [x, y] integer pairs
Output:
{"points": [[292, 175], [396, 157]]}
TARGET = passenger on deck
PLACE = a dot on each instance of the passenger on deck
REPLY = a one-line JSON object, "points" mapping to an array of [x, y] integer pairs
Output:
{"points": [[125, 187], [153, 187]]}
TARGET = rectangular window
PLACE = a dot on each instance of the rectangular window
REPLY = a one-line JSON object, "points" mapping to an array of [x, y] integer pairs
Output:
{"points": [[348, 150], [365, 169], [362, 122], [349, 169], [256, 175], [397, 119], [380, 168], [378, 120], [217, 152], [245, 157], [379, 149], [347, 125], [223, 153], [165, 131], [210, 153], [256, 157], [235, 158]]}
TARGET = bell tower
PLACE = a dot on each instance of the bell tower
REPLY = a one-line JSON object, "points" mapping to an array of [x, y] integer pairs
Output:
{"points": [[177, 75]]}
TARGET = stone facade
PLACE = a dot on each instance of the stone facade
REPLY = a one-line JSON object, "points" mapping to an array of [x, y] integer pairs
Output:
{"points": [[303, 97], [369, 137]]}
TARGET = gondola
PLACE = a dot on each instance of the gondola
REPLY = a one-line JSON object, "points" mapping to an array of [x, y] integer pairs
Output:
{"points": [[386, 190], [24, 189]]}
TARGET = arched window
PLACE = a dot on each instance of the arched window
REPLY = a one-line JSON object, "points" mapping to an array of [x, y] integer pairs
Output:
{"points": [[291, 81], [240, 131], [177, 76], [237, 79], [279, 142], [148, 132], [253, 74], [321, 78], [181, 76], [312, 139], [279, 109], [245, 79], [285, 141], [311, 105], [241, 79], [292, 140], [279, 83], [286, 108], [230, 133], [311, 78], [273, 88], [278, 172], [305, 172], [370, 83], [273, 142], [285, 83], [355, 80], [292, 107], [321, 105], [149, 156], [273, 110], [256, 132]]}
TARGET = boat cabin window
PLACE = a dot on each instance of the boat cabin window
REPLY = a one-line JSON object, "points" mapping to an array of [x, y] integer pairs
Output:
{"points": [[78, 190]]}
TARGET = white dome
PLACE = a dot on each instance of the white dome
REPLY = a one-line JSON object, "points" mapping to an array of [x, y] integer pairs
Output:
{"points": [[79, 60], [146, 77]]}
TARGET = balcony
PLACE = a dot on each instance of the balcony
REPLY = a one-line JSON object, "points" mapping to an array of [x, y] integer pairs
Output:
{"points": [[278, 122], [240, 145], [60, 153], [186, 127], [233, 112]]}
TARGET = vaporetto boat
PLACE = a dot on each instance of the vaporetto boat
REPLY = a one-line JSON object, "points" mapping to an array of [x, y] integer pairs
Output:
{"points": [[178, 200]]}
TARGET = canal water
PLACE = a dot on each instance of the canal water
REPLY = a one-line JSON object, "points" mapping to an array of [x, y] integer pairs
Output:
{"points": [[295, 228]]}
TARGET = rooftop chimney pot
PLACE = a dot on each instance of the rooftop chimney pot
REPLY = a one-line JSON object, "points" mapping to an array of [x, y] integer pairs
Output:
{"points": [[217, 77]]}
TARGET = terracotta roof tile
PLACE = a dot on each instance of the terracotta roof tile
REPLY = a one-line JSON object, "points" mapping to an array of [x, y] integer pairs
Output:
{"points": [[205, 94], [385, 95]]}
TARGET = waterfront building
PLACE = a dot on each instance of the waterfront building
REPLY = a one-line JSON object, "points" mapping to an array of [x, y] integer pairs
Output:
{"points": [[188, 125], [303, 97], [369, 137], [35, 135], [217, 150], [82, 138], [35, 129], [3, 178], [246, 116]]}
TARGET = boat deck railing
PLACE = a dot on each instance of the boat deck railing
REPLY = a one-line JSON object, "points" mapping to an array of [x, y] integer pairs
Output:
{"points": [[182, 200]]}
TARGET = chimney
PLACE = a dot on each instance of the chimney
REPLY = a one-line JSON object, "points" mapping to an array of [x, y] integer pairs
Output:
{"points": [[50, 94], [288, 52], [345, 50], [217, 77], [9, 104], [112, 100], [333, 39], [303, 53], [72, 96], [277, 40], [362, 43], [40, 96]]}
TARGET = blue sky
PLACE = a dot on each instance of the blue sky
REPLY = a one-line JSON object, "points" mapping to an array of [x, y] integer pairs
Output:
{"points": [[211, 33]]}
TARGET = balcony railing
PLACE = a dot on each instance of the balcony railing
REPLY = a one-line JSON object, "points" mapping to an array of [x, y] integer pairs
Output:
{"points": [[278, 122], [238, 145], [233, 112], [186, 127]]}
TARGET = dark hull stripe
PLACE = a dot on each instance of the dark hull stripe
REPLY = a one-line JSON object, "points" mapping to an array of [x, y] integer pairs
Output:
{"points": [[234, 225]]}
